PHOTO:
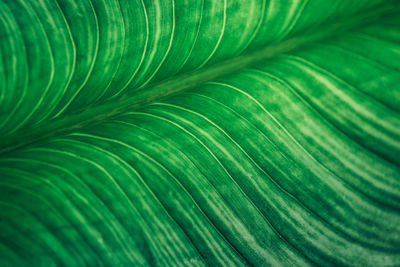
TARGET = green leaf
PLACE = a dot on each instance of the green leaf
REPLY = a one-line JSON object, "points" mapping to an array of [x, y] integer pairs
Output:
{"points": [[192, 133]]}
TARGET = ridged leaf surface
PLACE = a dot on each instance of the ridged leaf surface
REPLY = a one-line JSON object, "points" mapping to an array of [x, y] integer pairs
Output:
{"points": [[195, 133]]}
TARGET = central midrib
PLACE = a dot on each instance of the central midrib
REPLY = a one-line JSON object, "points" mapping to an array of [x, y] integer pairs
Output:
{"points": [[139, 98]]}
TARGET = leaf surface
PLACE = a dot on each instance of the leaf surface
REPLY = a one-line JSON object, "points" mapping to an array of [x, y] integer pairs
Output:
{"points": [[233, 133]]}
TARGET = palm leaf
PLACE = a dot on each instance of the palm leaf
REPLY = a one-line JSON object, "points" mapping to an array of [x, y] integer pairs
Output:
{"points": [[230, 133]]}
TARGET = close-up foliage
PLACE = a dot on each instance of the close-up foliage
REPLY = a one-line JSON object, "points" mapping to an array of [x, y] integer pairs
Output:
{"points": [[199, 133]]}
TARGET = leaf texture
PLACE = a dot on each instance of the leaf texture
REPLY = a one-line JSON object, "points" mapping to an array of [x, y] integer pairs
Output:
{"points": [[289, 159]]}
